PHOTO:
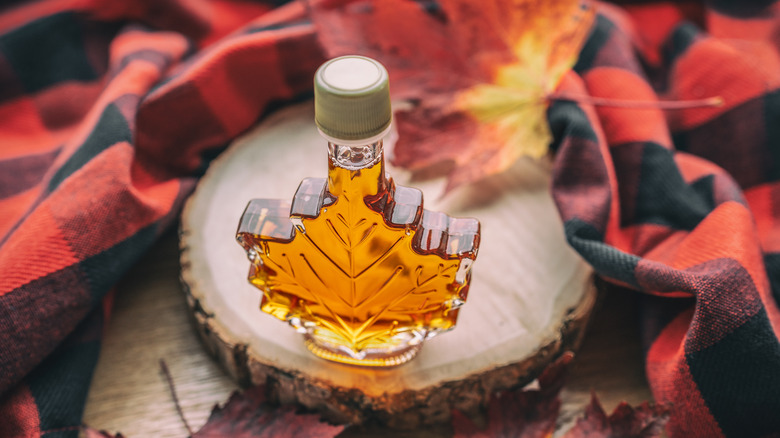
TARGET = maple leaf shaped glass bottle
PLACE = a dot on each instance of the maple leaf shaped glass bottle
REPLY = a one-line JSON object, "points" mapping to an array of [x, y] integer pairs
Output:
{"points": [[354, 262]]}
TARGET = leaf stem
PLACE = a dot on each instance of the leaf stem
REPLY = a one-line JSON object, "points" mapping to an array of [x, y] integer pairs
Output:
{"points": [[172, 388], [714, 101]]}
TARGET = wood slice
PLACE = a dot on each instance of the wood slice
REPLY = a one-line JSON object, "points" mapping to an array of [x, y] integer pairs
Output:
{"points": [[530, 296]]}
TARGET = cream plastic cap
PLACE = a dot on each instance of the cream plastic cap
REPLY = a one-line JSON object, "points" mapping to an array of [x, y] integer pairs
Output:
{"points": [[352, 98]]}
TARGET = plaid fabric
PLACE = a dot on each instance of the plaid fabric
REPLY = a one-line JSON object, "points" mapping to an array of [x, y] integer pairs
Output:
{"points": [[109, 111], [683, 205]]}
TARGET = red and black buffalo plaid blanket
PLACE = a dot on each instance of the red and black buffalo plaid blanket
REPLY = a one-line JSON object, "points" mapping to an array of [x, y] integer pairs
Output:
{"points": [[110, 110]]}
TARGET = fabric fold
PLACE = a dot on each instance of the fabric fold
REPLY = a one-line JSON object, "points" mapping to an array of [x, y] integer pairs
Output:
{"points": [[110, 111]]}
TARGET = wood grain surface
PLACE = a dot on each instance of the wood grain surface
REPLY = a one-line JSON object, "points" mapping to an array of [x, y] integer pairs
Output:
{"points": [[150, 322], [530, 293]]}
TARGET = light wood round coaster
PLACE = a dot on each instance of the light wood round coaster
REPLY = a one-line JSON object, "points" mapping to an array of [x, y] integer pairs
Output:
{"points": [[530, 296]]}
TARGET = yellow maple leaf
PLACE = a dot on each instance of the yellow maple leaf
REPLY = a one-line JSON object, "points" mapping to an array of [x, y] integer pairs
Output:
{"points": [[511, 110]]}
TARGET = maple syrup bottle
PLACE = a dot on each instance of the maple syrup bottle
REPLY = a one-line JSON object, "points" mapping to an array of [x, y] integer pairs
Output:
{"points": [[354, 262]]}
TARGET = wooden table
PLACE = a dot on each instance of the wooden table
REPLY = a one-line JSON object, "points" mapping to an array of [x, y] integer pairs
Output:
{"points": [[150, 322]]}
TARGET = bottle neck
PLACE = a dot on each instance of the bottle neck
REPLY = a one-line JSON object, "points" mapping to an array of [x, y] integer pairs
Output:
{"points": [[356, 170]]}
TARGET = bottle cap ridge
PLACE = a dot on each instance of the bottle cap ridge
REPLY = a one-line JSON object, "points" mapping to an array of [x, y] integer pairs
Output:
{"points": [[352, 98]]}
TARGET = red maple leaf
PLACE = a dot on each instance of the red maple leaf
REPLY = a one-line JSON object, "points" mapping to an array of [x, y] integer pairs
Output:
{"points": [[533, 413], [520, 413], [248, 415], [644, 421], [478, 74]]}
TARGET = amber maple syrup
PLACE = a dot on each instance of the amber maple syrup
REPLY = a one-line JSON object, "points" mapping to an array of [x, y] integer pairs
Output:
{"points": [[355, 263]]}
